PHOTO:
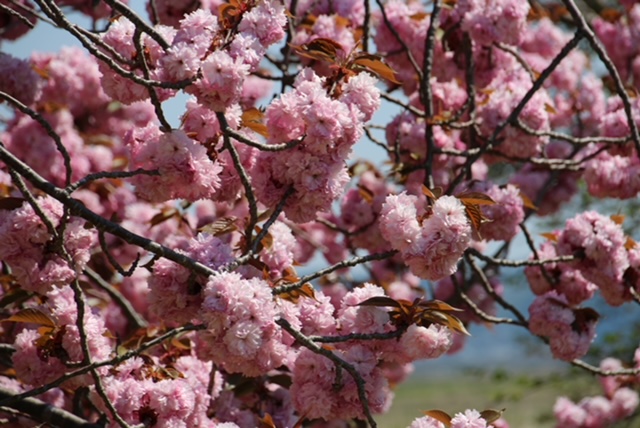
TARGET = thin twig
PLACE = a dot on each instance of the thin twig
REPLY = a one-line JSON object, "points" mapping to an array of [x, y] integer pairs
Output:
{"points": [[357, 336], [340, 265], [244, 177], [520, 263], [43, 412], [109, 174], [426, 93], [153, 95], [484, 281]]}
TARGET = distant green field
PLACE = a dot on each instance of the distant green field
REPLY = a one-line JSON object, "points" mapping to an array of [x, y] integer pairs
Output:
{"points": [[528, 399]]}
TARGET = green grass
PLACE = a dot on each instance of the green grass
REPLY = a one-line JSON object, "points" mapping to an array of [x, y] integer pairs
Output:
{"points": [[529, 399]]}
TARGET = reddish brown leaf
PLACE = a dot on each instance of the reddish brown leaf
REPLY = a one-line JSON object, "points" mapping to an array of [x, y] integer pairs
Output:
{"points": [[629, 244], [289, 275], [381, 301], [375, 65], [433, 194], [267, 421], [476, 198], [164, 215], [306, 290], [32, 316], [550, 236], [491, 415], [617, 218], [611, 15], [182, 343], [440, 415], [267, 240], [365, 193], [253, 119], [446, 320], [320, 49], [439, 306], [475, 214], [549, 108], [220, 227], [585, 315], [230, 13], [526, 202], [418, 16]]}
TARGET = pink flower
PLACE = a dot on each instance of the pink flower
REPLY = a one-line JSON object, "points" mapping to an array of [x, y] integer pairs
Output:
{"points": [[399, 221], [426, 422], [570, 331], [419, 343], [19, 81], [185, 170], [494, 21], [599, 243], [505, 216], [221, 82], [468, 419]]}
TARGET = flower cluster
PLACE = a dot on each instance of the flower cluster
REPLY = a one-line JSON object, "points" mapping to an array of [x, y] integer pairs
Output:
{"points": [[570, 331], [43, 355], [432, 248], [313, 173], [29, 248], [184, 169]]}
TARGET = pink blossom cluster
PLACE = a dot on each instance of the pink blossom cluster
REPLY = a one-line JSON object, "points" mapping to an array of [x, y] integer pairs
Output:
{"points": [[29, 248], [488, 22], [39, 360], [90, 127], [140, 395], [175, 293], [620, 401], [353, 10], [469, 419], [313, 173], [20, 81], [406, 135], [614, 172], [201, 123], [501, 97], [620, 37], [314, 377], [563, 278], [599, 245], [241, 334], [431, 248], [222, 72], [410, 22], [570, 331], [503, 217], [184, 168], [121, 37], [205, 192]]}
